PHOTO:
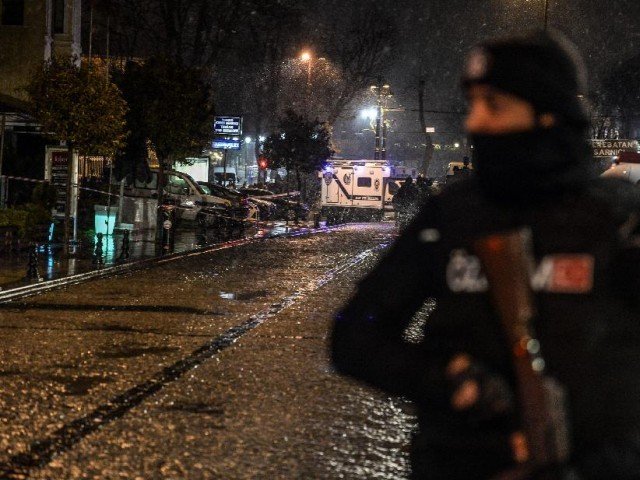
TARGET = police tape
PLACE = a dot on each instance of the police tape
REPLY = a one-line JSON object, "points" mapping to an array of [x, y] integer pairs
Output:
{"points": [[219, 216], [38, 180]]}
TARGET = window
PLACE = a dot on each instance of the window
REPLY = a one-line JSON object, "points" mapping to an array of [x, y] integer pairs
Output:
{"points": [[12, 12], [364, 182], [58, 16], [177, 185]]}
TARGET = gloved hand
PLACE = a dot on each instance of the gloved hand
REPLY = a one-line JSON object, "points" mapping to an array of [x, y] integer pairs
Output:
{"points": [[476, 391]]}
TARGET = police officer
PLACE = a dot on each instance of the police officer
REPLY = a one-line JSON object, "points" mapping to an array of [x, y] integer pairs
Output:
{"points": [[532, 167], [404, 202]]}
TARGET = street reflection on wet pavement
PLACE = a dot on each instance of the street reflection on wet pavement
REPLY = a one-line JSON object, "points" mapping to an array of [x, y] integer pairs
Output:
{"points": [[52, 264], [210, 366]]}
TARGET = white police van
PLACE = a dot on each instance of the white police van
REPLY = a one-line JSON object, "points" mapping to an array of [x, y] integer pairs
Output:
{"points": [[353, 190]]}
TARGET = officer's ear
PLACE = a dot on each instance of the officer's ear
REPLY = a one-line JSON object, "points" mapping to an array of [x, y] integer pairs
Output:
{"points": [[546, 120]]}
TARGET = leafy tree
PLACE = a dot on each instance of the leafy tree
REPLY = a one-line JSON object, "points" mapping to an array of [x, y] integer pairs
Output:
{"points": [[299, 145], [189, 32], [80, 106], [169, 108]]}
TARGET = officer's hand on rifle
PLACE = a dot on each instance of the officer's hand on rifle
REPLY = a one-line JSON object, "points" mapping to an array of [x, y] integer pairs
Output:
{"points": [[476, 391]]}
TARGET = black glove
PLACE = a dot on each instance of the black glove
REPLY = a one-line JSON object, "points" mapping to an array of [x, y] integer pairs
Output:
{"points": [[477, 392]]}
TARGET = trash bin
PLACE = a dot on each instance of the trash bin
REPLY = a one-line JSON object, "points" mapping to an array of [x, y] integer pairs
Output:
{"points": [[105, 219]]}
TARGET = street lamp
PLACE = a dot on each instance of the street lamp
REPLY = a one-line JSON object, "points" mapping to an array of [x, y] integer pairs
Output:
{"points": [[369, 114]]}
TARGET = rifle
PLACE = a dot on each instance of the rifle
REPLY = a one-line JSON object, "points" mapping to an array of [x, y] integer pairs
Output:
{"points": [[507, 262]]}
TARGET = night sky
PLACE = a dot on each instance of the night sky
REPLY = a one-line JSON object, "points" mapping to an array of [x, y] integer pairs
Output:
{"points": [[436, 34]]}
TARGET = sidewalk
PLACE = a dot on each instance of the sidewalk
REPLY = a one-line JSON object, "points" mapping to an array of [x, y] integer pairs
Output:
{"points": [[53, 265]]}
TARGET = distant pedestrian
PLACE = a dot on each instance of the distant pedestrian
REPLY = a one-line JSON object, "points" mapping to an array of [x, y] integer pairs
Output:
{"points": [[404, 202], [424, 188]]}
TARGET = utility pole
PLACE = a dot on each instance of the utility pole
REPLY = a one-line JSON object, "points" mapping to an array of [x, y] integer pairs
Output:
{"points": [[384, 92], [379, 120], [546, 14]]}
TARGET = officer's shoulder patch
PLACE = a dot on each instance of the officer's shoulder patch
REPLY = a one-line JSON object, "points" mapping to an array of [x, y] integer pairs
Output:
{"points": [[565, 273]]}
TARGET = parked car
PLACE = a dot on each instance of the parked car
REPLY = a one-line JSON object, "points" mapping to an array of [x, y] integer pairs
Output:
{"points": [[194, 204], [287, 206], [241, 206], [219, 176], [266, 207]]}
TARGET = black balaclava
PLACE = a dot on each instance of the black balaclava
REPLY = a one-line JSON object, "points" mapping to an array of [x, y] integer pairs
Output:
{"points": [[545, 70]]}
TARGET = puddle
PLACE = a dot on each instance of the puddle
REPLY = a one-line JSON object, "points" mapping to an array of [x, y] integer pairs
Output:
{"points": [[243, 296]]}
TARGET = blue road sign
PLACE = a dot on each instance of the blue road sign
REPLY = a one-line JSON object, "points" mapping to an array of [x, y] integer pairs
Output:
{"points": [[226, 144]]}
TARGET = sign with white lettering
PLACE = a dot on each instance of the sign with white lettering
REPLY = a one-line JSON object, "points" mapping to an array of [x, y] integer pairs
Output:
{"points": [[227, 126], [226, 143], [612, 148], [56, 171], [59, 169]]}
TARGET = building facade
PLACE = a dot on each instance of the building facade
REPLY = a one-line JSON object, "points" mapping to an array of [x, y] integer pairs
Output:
{"points": [[32, 31]]}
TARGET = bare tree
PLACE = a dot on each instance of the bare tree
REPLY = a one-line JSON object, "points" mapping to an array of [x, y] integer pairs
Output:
{"points": [[359, 39], [188, 32]]}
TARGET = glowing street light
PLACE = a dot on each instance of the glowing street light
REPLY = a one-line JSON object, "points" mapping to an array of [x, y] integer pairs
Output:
{"points": [[305, 56], [369, 113], [248, 140]]}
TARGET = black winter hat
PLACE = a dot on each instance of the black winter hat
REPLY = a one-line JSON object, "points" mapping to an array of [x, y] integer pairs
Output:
{"points": [[543, 68]]}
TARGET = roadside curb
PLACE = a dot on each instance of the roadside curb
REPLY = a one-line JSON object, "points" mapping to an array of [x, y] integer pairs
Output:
{"points": [[112, 271]]}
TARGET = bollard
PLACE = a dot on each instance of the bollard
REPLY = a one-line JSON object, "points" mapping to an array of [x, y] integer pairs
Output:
{"points": [[168, 228], [32, 269], [97, 258], [124, 252], [316, 220]]}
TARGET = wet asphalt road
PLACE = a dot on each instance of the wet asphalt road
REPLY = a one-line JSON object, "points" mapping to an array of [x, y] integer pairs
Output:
{"points": [[213, 366]]}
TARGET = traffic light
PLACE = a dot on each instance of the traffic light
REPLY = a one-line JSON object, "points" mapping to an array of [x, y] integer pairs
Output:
{"points": [[263, 163]]}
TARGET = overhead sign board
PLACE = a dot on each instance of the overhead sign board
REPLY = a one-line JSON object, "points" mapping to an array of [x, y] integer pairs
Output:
{"points": [[227, 126], [56, 171], [612, 148], [226, 143]]}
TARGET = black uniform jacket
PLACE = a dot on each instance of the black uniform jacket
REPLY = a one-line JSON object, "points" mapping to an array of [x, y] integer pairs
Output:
{"points": [[587, 284]]}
